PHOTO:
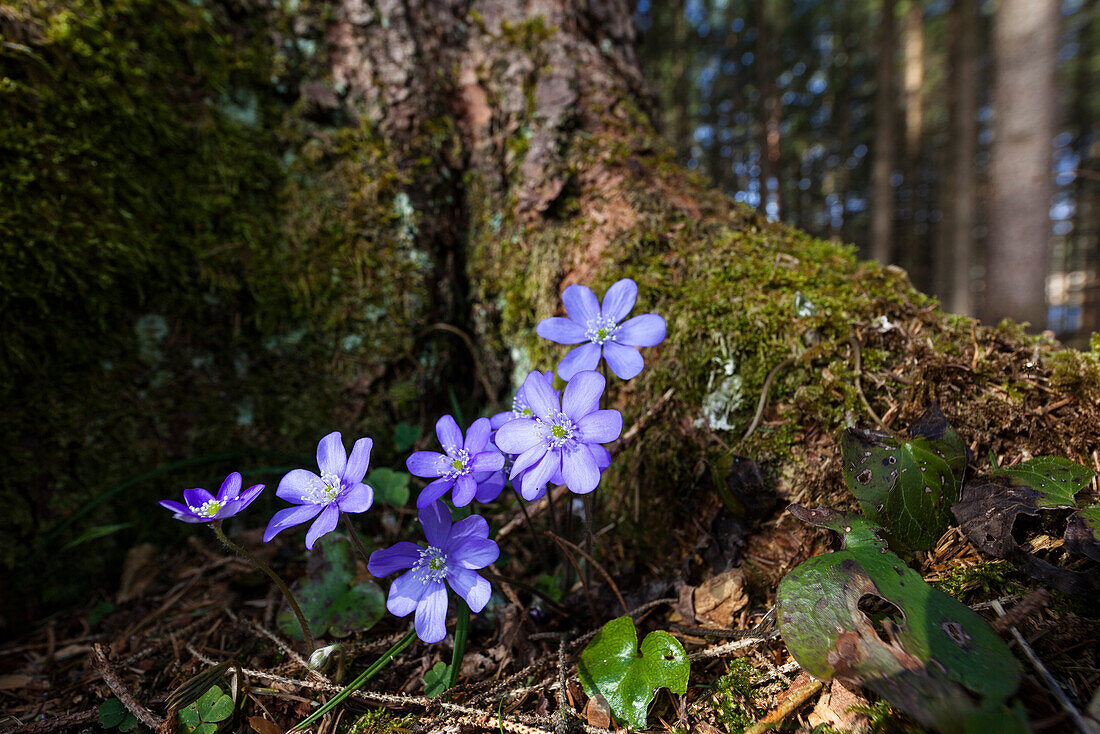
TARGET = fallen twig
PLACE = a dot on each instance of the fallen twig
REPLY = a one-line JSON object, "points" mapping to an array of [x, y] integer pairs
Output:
{"points": [[110, 677]]}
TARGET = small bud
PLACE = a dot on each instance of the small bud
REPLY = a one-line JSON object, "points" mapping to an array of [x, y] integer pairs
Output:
{"points": [[321, 655]]}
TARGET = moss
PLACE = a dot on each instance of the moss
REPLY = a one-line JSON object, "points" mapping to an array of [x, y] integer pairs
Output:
{"points": [[979, 582], [733, 694]]}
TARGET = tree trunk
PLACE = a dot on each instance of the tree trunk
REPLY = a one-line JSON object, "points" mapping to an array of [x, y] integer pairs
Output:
{"points": [[767, 47], [960, 204], [1025, 102], [882, 165]]}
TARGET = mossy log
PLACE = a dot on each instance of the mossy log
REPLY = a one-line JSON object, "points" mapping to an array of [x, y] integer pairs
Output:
{"points": [[434, 167]]}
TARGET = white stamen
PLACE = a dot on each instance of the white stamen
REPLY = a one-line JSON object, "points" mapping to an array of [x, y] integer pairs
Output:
{"points": [[458, 464], [600, 330], [559, 432], [206, 509], [431, 566]]}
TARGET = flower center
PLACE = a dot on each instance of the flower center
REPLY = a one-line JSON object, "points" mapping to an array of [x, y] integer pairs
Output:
{"points": [[560, 432], [431, 565], [330, 490], [207, 509], [520, 408], [601, 329], [460, 460]]}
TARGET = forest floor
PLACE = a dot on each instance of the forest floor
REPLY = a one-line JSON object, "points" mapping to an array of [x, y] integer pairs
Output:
{"points": [[181, 612]]}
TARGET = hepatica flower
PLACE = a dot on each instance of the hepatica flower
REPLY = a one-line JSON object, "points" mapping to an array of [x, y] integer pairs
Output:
{"points": [[601, 330], [201, 506], [561, 442], [452, 558], [339, 488], [467, 466]]}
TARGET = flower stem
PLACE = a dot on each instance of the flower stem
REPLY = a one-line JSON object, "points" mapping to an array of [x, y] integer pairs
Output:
{"points": [[355, 538], [356, 684], [217, 527], [462, 631]]}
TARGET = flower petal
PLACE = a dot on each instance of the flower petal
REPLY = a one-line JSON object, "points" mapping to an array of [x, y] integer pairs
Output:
{"points": [[431, 613], [289, 517], [449, 434], [196, 496], [474, 526], [427, 464], [538, 475], [323, 525], [359, 461], [487, 461], [560, 330], [477, 436], [434, 491], [527, 459], [584, 357], [231, 487], [582, 394], [601, 426], [516, 436], [626, 362], [406, 591], [619, 299], [300, 487], [396, 557], [476, 553], [647, 330], [464, 490], [539, 393], [357, 498], [471, 587], [581, 304], [601, 455], [332, 458], [499, 419], [246, 498], [436, 521], [579, 471], [489, 488], [176, 507]]}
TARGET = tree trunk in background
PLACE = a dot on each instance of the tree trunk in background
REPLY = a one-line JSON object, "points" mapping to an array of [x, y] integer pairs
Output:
{"points": [[960, 204], [1025, 100], [882, 167], [766, 68], [913, 235]]}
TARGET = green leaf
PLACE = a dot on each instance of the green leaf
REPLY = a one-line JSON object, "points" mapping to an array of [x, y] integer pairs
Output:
{"points": [[435, 680], [404, 436], [391, 487], [111, 713], [98, 612], [99, 531], [220, 710], [612, 665], [942, 663], [330, 597], [1056, 480], [129, 723], [907, 484]]}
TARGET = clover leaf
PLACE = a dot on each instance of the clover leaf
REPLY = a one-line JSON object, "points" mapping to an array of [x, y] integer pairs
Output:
{"points": [[613, 666], [204, 715], [435, 680], [391, 487], [927, 654], [331, 598], [113, 714], [907, 484]]}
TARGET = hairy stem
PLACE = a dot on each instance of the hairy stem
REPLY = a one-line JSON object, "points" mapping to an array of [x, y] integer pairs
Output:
{"points": [[355, 538], [217, 528]]}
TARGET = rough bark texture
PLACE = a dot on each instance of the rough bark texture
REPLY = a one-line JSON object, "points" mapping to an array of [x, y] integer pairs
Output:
{"points": [[1025, 44], [882, 167], [504, 148], [961, 203]]}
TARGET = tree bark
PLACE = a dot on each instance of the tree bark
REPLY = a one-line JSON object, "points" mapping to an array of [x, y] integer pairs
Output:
{"points": [[961, 202], [1025, 103], [882, 165]]}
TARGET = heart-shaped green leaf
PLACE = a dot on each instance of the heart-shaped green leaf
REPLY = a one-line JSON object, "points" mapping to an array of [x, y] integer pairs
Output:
{"points": [[435, 680], [391, 487], [907, 484], [112, 713], [931, 656], [1056, 480], [330, 597], [404, 436], [202, 716], [612, 666]]}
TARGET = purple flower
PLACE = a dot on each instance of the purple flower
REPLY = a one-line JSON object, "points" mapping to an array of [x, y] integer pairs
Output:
{"points": [[339, 488], [453, 555], [521, 408], [466, 464], [561, 442], [601, 330], [201, 506]]}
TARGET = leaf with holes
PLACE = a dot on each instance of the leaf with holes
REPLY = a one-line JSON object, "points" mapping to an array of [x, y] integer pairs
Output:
{"points": [[612, 666], [990, 506], [333, 601], [929, 655], [907, 484]]}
